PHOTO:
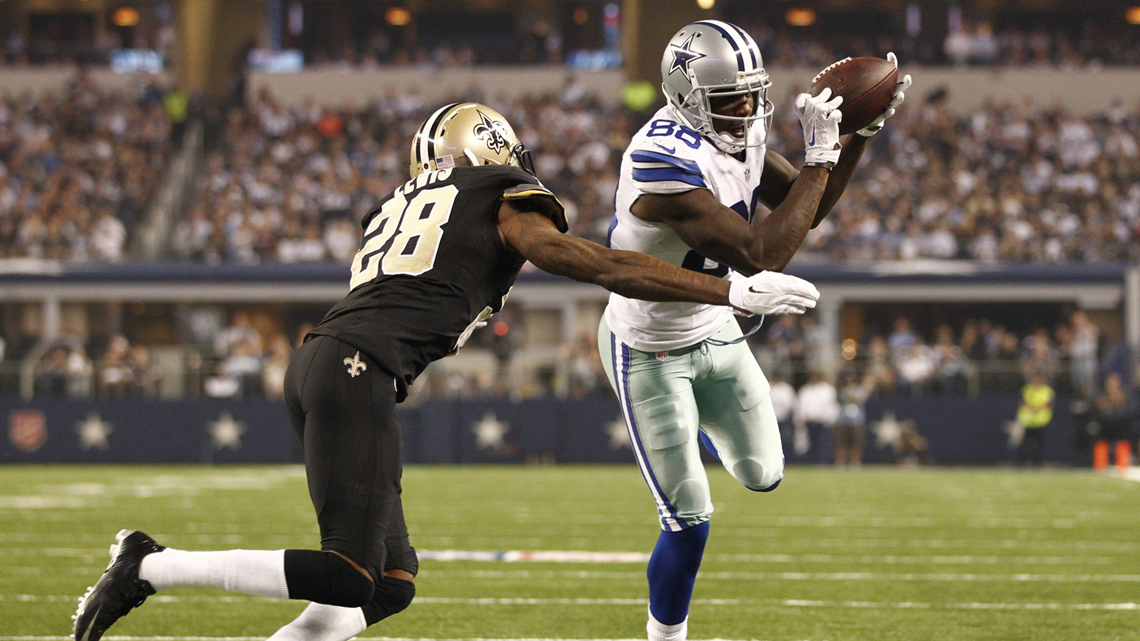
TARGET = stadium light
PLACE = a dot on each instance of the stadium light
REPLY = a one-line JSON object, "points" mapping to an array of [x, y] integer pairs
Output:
{"points": [[850, 349], [800, 17], [1132, 15], [125, 17], [398, 16], [706, 4]]}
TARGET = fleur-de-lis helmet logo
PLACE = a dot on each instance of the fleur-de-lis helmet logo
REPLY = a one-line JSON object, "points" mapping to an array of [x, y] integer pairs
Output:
{"points": [[491, 132]]}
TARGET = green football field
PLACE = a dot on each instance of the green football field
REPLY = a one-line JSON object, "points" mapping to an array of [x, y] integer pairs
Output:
{"points": [[877, 553]]}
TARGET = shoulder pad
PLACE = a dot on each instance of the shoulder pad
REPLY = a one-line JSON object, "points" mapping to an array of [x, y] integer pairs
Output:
{"points": [[535, 197]]}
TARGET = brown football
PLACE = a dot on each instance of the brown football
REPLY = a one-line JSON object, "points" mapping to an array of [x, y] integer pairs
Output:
{"points": [[866, 84]]}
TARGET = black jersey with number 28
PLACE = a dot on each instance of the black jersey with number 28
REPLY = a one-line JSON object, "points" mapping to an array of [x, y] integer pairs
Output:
{"points": [[432, 265]]}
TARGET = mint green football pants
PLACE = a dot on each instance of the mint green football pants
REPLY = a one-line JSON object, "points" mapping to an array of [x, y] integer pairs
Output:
{"points": [[666, 397]]}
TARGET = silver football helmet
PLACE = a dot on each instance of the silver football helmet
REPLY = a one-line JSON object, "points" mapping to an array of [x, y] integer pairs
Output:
{"points": [[710, 58], [466, 133]]}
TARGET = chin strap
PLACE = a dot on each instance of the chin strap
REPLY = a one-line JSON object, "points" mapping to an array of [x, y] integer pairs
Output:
{"points": [[741, 339]]}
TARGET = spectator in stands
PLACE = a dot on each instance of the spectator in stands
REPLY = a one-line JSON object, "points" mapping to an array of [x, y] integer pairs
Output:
{"points": [[276, 362], [880, 367], [115, 371], [817, 409], [817, 348], [582, 367], [950, 363], [80, 372], [51, 373], [108, 236], [902, 338], [782, 349], [1007, 353], [220, 384], [783, 397], [244, 364], [1039, 356], [1083, 352], [240, 330], [144, 377], [850, 424], [916, 368]]}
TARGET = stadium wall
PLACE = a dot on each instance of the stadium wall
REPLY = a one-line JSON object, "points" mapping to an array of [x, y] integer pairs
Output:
{"points": [[454, 431], [40, 80]]}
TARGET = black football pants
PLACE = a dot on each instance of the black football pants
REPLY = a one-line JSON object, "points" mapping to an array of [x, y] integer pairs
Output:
{"points": [[342, 406]]}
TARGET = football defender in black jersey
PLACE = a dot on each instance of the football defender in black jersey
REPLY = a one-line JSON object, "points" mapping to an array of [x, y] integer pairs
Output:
{"points": [[439, 256]]}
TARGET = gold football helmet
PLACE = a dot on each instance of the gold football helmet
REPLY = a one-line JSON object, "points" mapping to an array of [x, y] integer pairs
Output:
{"points": [[466, 133]]}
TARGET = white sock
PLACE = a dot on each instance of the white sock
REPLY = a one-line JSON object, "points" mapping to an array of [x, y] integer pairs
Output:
{"points": [[660, 632], [257, 572], [320, 622]]}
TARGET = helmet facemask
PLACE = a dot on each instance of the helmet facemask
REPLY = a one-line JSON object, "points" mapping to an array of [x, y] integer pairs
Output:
{"points": [[698, 110]]}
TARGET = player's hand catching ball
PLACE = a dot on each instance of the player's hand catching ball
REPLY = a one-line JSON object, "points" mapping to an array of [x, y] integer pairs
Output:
{"points": [[900, 88], [772, 293], [819, 117]]}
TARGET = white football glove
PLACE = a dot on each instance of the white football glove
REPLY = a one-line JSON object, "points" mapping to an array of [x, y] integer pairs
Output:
{"points": [[772, 293], [900, 88], [820, 118]]}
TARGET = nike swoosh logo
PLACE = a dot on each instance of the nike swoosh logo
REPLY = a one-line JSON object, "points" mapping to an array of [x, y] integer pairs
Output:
{"points": [[671, 150], [87, 635], [752, 290], [812, 141]]}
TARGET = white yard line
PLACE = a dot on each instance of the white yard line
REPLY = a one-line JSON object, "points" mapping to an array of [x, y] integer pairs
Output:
{"points": [[961, 606], [802, 576], [577, 556], [1131, 474], [807, 543]]}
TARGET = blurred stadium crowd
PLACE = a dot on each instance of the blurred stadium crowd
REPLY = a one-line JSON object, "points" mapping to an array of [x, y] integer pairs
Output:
{"points": [[78, 170], [1056, 42], [973, 358], [1013, 182]]}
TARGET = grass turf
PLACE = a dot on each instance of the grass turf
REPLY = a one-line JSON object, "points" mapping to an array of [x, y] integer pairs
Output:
{"points": [[877, 553]]}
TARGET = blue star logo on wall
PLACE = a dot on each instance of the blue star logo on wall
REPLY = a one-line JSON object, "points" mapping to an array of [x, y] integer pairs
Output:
{"points": [[683, 56]]}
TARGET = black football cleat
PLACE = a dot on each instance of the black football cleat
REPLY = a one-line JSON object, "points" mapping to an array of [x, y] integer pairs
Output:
{"points": [[119, 590]]}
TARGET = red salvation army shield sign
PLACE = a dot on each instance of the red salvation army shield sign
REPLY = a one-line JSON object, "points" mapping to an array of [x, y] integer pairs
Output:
{"points": [[27, 430]]}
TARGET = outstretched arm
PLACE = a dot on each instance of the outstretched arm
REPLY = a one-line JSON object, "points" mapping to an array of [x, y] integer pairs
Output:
{"points": [[630, 274], [635, 275]]}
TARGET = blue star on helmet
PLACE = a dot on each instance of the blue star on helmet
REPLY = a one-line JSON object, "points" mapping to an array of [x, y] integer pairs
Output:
{"points": [[683, 56]]}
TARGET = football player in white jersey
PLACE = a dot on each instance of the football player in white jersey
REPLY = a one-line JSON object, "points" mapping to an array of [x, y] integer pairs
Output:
{"points": [[690, 185]]}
